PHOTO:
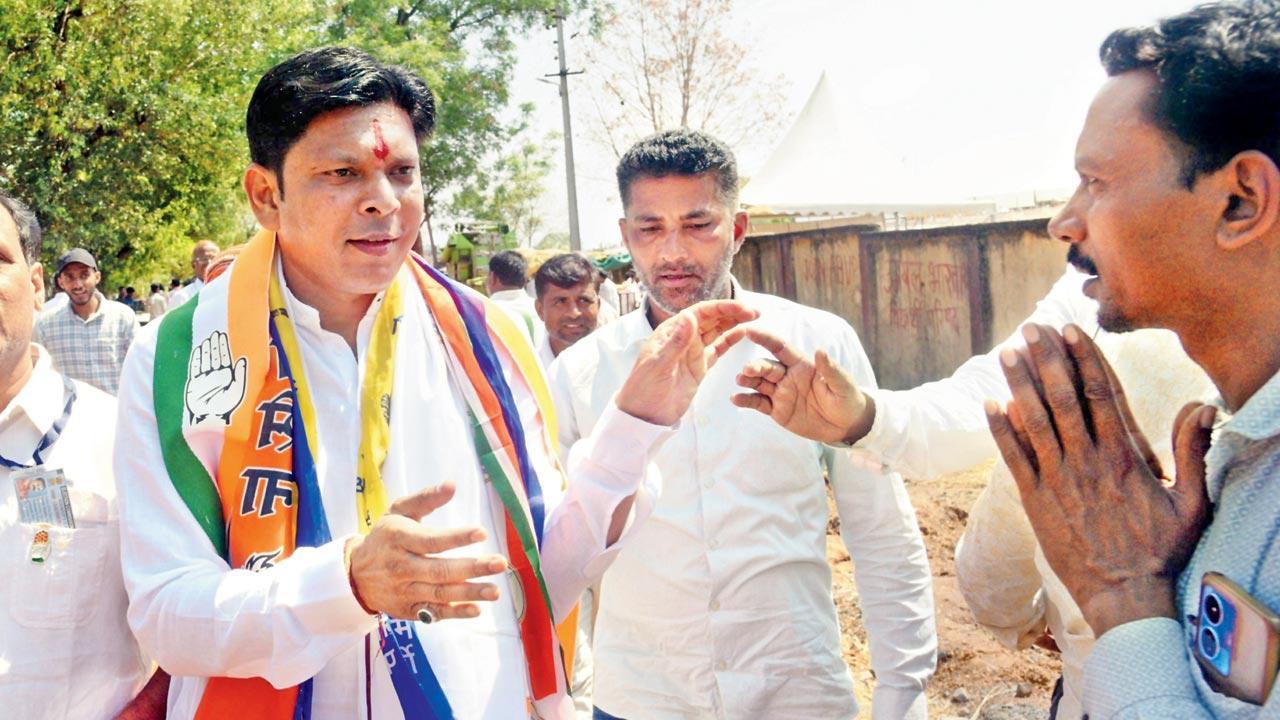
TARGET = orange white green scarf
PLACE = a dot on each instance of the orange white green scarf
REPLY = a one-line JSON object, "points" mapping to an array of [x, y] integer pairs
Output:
{"points": [[263, 499]]}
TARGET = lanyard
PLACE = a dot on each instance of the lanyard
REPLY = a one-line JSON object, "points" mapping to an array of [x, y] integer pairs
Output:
{"points": [[37, 455]]}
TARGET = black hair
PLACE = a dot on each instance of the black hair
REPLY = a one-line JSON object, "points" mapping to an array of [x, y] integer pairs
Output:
{"points": [[29, 234], [564, 271], [680, 152], [156, 287], [1217, 70], [317, 81], [510, 268]]}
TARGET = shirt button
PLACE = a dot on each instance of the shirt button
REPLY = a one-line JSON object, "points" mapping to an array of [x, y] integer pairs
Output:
{"points": [[715, 605], [713, 543], [709, 483], [722, 666]]}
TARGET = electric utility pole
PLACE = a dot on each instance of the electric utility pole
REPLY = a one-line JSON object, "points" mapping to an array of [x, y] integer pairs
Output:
{"points": [[575, 240]]}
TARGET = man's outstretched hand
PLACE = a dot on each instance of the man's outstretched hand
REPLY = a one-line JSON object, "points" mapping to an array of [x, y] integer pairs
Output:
{"points": [[810, 397], [1114, 530], [676, 357]]}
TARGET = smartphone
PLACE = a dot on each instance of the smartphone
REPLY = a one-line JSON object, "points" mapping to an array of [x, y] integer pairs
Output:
{"points": [[1237, 640]]}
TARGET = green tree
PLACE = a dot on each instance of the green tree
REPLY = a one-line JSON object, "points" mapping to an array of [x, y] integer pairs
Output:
{"points": [[465, 50], [121, 121], [510, 192]]}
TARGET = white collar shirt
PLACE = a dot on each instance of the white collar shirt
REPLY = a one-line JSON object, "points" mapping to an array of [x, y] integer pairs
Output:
{"points": [[66, 651], [520, 307], [721, 606], [545, 354], [298, 619]]}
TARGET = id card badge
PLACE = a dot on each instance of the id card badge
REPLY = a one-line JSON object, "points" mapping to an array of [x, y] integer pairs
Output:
{"points": [[44, 496]]}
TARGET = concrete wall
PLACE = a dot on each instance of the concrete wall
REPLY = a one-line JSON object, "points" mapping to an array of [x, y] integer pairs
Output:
{"points": [[923, 301]]}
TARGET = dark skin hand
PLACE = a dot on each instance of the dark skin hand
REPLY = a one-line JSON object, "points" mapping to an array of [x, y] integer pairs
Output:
{"points": [[811, 397], [152, 702], [1115, 529]]}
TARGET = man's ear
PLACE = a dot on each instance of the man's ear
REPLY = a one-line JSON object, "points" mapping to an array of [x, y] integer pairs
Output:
{"points": [[1252, 206], [37, 283], [261, 186], [740, 224], [537, 305], [622, 231]]}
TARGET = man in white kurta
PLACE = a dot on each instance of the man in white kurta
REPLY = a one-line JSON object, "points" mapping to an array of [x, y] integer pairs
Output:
{"points": [[342, 231], [720, 606], [299, 619]]}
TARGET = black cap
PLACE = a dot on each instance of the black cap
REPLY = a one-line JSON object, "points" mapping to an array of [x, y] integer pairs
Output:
{"points": [[76, 255]]}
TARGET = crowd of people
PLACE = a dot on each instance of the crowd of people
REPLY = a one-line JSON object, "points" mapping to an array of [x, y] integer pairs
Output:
{"points": [[345, 485]]}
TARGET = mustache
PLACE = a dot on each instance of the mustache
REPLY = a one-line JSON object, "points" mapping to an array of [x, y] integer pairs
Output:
{"points": [[679, 268], [1077, 260]]}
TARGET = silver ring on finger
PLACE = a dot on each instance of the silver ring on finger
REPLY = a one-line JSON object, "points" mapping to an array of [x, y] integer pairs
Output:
{"points": [[426, 616]]}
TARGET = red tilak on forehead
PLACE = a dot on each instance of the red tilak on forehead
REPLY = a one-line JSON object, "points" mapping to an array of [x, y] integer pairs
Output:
{"points": [[380, 149]]}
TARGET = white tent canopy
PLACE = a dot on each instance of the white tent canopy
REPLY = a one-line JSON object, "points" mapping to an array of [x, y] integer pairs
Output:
{"points": [[814, 170]]}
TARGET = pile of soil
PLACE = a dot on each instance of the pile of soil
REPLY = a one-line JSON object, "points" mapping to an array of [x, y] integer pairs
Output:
{"points": [[977, 678]]}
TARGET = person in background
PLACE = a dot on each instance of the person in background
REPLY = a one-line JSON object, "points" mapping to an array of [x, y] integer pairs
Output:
{"points": [[508, 274], [608, 292], [201, 253], [89, 337], [65, 646], [566, 303], [157, 301]]}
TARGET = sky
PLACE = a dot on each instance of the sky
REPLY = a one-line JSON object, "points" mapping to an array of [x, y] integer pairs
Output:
{"points": [[945, 100]]}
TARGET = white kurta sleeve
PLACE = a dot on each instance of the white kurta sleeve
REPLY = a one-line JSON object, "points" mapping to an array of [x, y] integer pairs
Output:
{"points": [[996, 565], [940, 427], [879, 530], [602, 470], [189, 610]]}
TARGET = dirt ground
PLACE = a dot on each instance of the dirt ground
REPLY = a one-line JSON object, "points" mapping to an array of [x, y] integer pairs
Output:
{"points": [[977, 678]]}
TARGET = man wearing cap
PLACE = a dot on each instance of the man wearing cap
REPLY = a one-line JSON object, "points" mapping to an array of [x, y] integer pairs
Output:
{"points": [[89, 336]]}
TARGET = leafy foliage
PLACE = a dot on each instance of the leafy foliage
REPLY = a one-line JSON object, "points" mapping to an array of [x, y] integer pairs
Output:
{"points": [[122, 121]]}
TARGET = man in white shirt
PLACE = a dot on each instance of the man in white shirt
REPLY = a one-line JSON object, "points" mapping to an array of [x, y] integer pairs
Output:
{"points": [[721, 605], [505, 283], [66, 652], [157, 303], [567, 303], [305, 626], [202, 253]]}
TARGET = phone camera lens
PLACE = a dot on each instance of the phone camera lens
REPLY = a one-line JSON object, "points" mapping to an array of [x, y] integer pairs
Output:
{"points": [[1212, 609], [1209, 642]]}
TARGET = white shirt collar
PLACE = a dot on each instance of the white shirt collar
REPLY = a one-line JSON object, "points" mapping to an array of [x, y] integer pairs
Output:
{"points": [[305, 316], [40, 401], [517, 294]]}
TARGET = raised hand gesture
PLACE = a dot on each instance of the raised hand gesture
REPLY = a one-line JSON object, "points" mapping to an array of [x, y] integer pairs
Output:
{"points": [[676, 357], [812, 398]]}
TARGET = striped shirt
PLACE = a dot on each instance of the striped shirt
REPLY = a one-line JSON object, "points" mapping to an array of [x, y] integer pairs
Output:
{"points": [[91, 350]]}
